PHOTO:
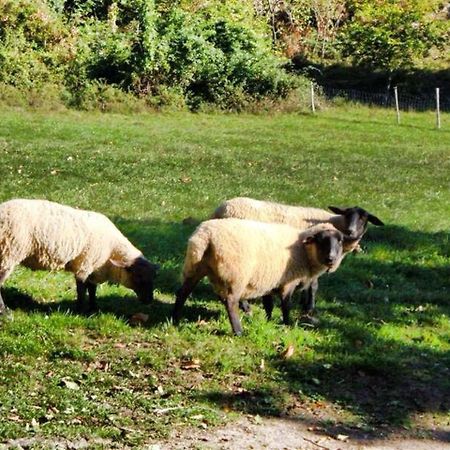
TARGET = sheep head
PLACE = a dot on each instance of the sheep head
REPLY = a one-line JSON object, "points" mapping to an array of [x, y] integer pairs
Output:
{"points": [[355, 221], [138, 276], [325, 248]]}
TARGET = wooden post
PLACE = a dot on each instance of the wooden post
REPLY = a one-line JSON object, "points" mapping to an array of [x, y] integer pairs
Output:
{"points": [[438, 110], [396, 104], [313, 106]]}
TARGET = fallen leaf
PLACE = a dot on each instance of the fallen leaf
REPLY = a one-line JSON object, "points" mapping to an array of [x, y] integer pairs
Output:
{"points": [[69, 384], [120, 345], [342, 437], [198, 417], [190, 364], [288, 352], [185, 179], [262, 365]]}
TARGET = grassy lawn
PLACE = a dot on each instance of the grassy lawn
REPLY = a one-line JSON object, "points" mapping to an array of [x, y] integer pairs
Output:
{"points": [[380, 358]]}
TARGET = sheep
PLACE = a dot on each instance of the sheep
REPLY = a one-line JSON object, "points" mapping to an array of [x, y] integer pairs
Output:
{"points": [[44, 235], [350, 221], [245, 259]]}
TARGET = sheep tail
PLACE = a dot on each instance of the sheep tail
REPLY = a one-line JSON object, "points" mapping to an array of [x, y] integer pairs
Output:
{"points": [[197, 246]]}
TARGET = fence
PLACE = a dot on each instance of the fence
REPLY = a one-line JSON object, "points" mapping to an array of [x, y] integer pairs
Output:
{"points": [[394, 98]]}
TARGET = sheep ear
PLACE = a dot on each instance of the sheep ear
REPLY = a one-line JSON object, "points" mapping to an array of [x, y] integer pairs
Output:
{"points": [[309, 240], [337, 210], [375, 220], [117, 263]]}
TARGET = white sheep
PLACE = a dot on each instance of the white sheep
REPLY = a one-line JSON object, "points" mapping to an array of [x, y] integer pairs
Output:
{"points": [[245, 259], [352, 222], [44, 235]]}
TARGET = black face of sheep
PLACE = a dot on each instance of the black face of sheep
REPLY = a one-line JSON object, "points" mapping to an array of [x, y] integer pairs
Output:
{"points": [[142, 274], [328, 247], [356, 220]]}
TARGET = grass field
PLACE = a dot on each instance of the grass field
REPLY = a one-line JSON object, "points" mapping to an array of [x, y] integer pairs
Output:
{"points": [[378, 362]]}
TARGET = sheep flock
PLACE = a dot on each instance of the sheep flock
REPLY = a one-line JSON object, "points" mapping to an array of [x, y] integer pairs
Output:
{"points": [[247, 249]]}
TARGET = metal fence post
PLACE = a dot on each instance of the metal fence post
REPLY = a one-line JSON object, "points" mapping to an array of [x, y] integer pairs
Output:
{"points": [[313, 106], [438, 110], [396, 104]]}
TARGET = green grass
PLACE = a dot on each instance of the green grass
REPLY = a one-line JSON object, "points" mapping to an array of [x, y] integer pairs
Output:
{"points": [[381, 355]]}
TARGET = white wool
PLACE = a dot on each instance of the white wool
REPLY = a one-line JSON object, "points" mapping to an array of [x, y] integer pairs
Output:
{"points": [[263, 211], [251, 258], [44, 235]]}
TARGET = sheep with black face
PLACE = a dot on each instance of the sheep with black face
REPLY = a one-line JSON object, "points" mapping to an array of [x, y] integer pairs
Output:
{"points": [[43, 235], [245, 259], [352, 222]]}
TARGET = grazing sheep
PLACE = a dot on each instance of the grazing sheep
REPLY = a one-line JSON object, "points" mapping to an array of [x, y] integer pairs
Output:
{"points": [[244, 259], [350, 221], [44, 235]]}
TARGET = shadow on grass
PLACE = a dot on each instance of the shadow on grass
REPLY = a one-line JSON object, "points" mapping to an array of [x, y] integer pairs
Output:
{"points": [[383, 352]]}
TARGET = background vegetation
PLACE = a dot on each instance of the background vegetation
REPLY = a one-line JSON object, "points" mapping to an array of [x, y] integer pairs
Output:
{"points": [[379, 361], [231, 55]]}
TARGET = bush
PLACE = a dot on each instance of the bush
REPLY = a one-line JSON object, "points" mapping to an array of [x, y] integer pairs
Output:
{"points": [[99, 52]]}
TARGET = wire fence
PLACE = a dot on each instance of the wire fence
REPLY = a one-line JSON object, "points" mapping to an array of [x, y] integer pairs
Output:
{"points": [[406, 102], [437, 100]]}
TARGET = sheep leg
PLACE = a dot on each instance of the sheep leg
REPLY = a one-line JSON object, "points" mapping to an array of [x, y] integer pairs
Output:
{"points": [[308, 302], [92, 290], [2, 305], [231, 303], [268, 305], [245, 306], [286, 295], [3, 276], [285, 308], [81, 293], [182, 294]]}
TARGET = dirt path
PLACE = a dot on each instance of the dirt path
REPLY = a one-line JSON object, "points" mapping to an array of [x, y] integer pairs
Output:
{"points": [[245, 434], [288, 434]]}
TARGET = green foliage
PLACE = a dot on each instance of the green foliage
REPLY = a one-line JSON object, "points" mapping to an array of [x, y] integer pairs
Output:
{"points": [[388, 34], [214, 54], [34, 44]]}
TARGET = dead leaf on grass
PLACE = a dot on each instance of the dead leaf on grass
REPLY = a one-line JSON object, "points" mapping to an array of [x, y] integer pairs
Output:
{"points": [[288, 352], [262, 365], [342, 437], [69, 384], [190, 364]]}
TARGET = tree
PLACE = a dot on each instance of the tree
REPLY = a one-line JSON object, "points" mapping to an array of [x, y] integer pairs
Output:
{"points": [[389, 34]]}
